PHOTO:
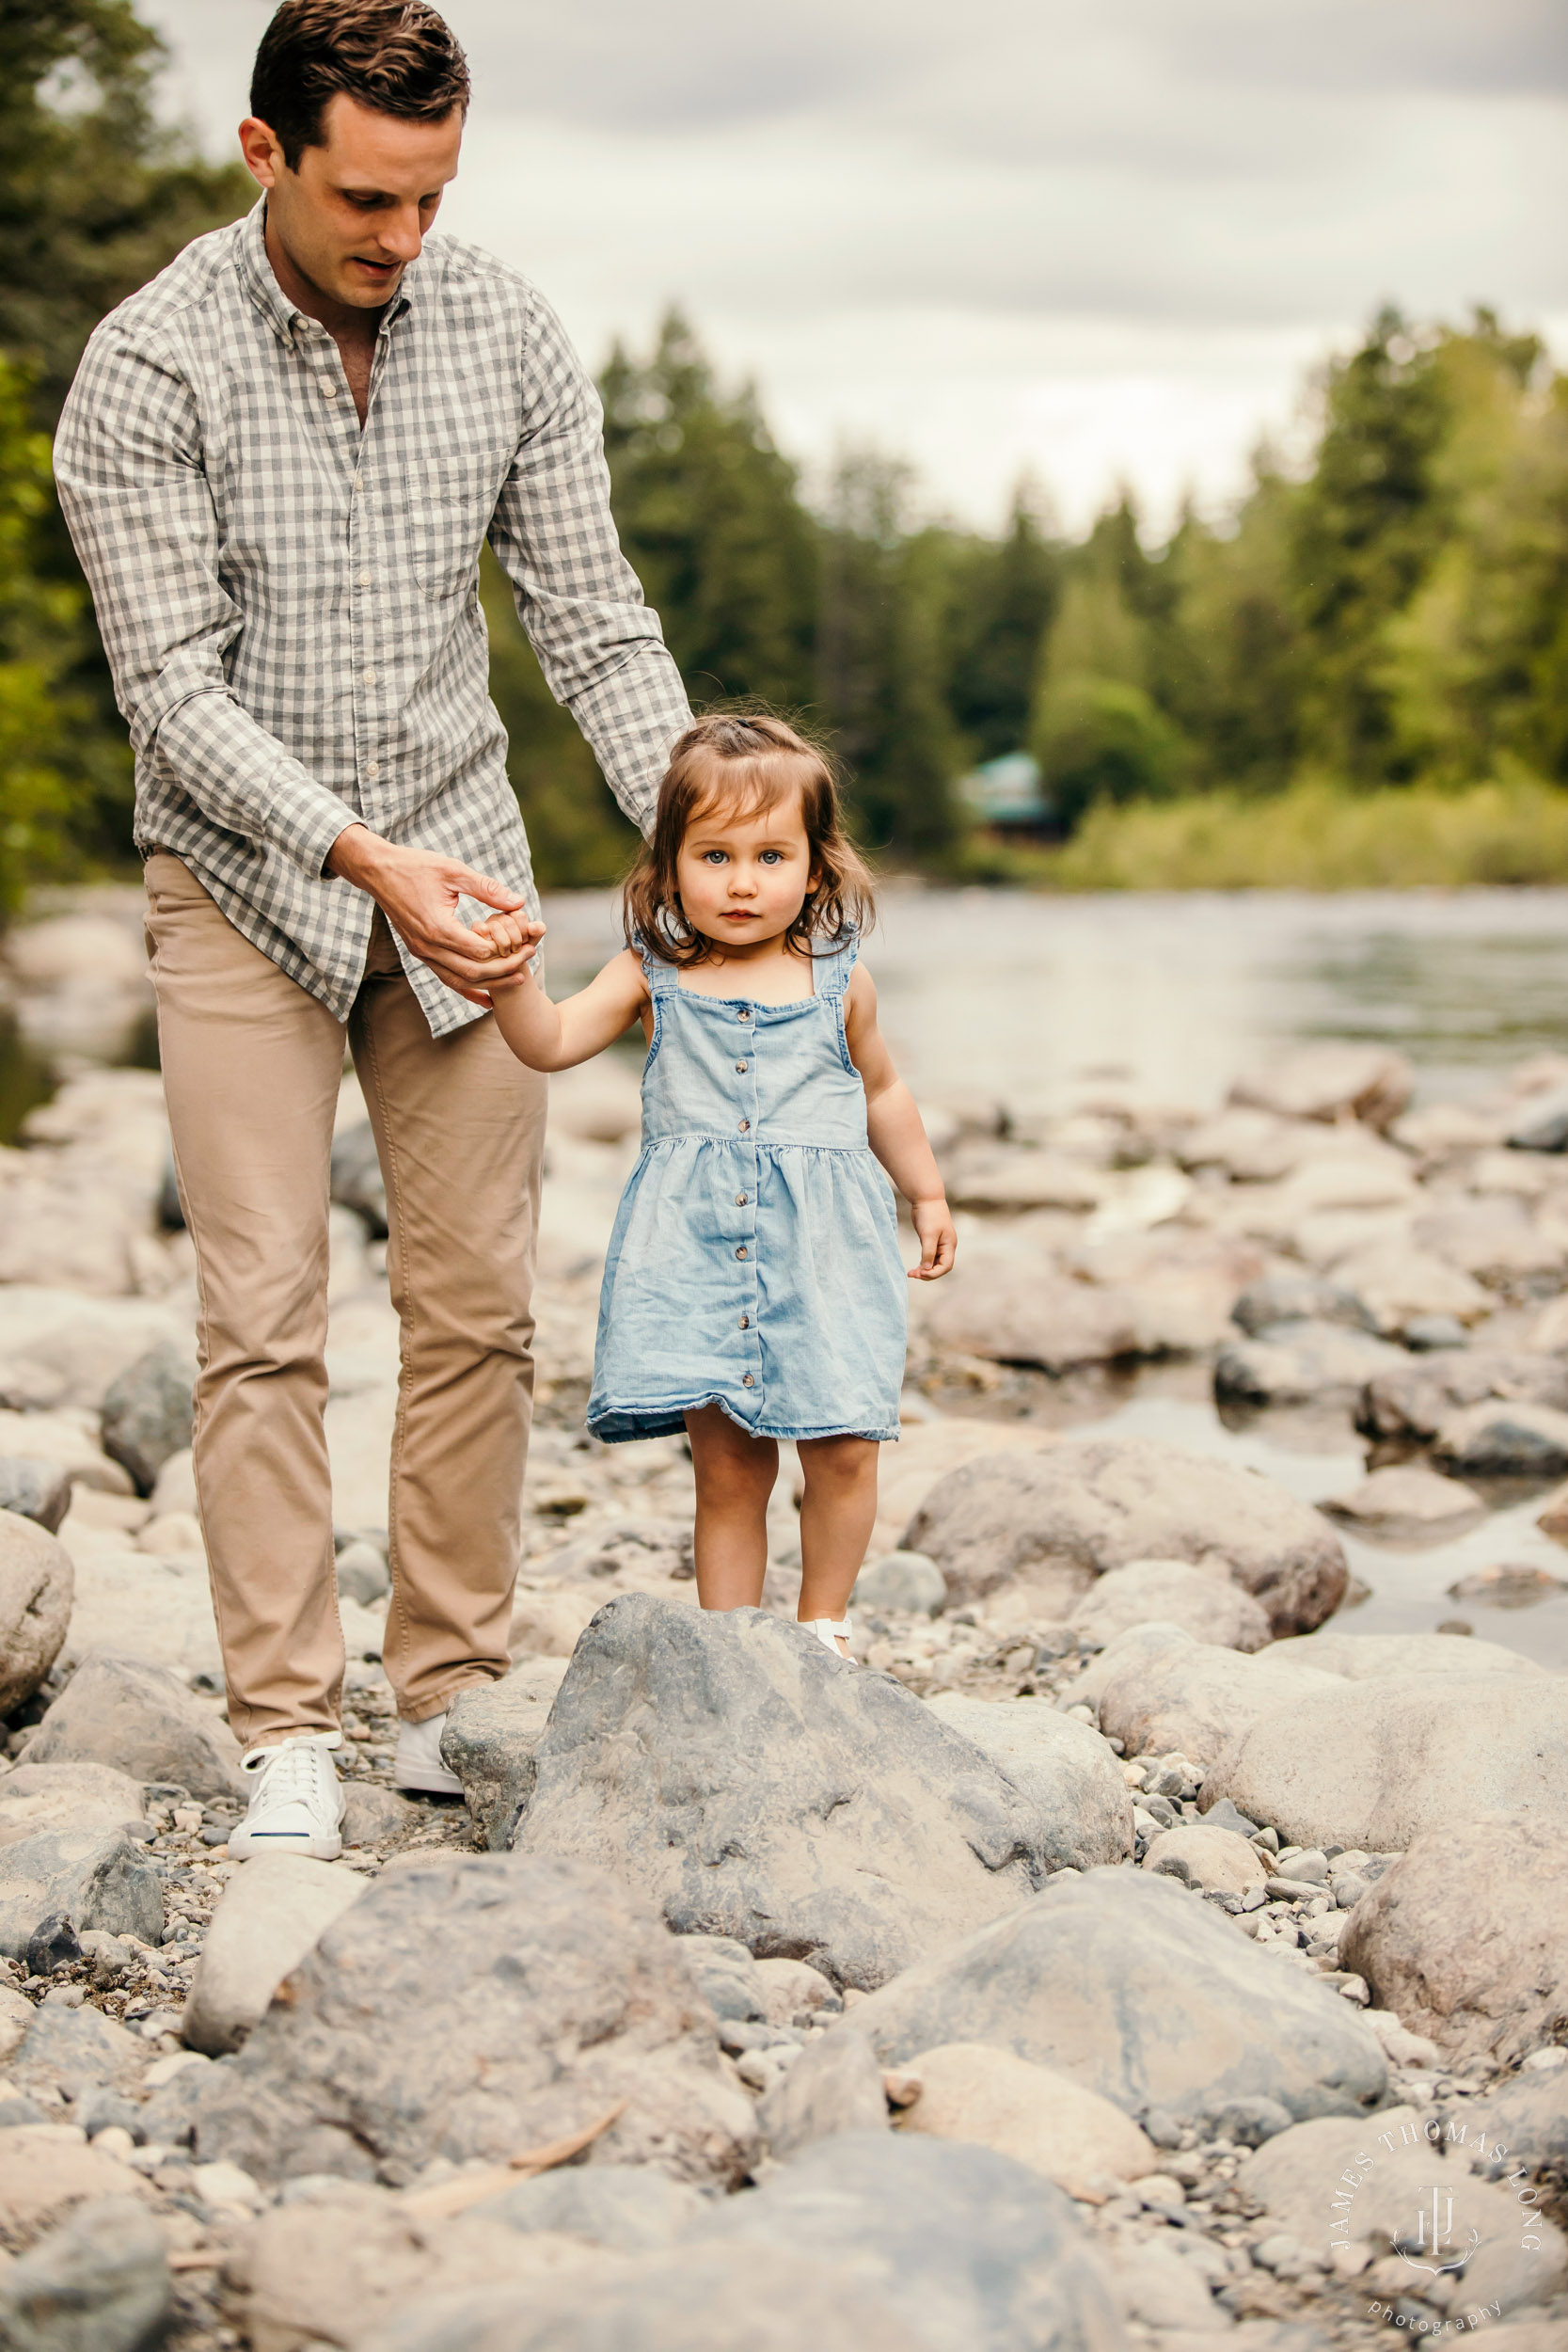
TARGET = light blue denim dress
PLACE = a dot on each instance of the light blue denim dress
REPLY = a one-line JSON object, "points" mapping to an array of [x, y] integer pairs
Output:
{"points": [[755, 1262]]}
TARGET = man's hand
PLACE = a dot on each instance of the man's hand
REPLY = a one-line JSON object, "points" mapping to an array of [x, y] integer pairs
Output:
{"points": [[417, 892], [505, 934], [939, 1240]]}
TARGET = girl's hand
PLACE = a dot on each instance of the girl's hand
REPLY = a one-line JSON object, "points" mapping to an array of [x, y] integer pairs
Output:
{"points": [[508, 935], [939, 1240]]}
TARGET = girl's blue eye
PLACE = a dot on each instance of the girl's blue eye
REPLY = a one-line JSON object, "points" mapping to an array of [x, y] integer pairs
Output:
{"points": [[770, 857], [713, 857]]}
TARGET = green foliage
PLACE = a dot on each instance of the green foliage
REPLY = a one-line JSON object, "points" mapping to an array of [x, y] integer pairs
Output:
{"points": [[41, 774], [94, 196]]}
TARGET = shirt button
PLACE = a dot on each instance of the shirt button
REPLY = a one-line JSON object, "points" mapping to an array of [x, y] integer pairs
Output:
{"points": [[745, 1126], [742, 1251], [365, 578], [330, 391], [373, 767], [746, 1381], [745, 1323], [368, 676], [740, 1067]]}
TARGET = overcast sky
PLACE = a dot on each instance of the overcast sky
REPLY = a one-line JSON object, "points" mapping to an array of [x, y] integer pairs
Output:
{"points": [[1095, 241]]}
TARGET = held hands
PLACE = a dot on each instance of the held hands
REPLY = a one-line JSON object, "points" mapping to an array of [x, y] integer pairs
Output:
{"points": [[939, 1240], [509, 935], [418, 891]]}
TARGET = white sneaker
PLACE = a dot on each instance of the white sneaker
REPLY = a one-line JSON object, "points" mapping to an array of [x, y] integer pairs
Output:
{"points": [[297, 1804], [418, 1763]]}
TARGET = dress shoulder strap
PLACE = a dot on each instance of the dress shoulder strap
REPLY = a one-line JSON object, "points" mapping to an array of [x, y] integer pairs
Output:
{"points": [[833, 971], [661, 978]]}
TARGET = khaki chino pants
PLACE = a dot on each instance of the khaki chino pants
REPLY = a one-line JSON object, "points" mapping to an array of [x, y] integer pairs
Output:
{"points": [[251, 1068]]}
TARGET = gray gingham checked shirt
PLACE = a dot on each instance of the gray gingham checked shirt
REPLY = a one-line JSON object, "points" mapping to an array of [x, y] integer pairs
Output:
{"points": [[290, 605]]}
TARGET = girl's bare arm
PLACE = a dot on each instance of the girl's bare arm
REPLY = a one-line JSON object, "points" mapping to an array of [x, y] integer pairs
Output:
{"points": [[548, 1036], [896, 1131]]}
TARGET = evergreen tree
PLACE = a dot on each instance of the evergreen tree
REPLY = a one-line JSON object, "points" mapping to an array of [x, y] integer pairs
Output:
{"points": [[1004, 596]]}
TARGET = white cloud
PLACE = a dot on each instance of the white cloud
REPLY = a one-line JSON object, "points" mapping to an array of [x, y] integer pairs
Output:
{"points": [[1099, 242]]}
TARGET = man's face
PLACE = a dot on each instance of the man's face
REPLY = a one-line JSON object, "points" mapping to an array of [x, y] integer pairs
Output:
{"points": [[356, 212]]}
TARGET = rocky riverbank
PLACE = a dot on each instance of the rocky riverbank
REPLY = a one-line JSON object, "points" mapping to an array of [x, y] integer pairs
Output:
{"points": [[1131, 1953]]}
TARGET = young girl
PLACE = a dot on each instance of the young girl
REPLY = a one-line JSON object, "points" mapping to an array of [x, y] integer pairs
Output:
{"points": [[753, 1288]]}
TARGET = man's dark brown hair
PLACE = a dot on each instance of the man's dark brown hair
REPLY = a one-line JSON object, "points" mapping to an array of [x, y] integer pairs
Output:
{"points": [[396, 56]]}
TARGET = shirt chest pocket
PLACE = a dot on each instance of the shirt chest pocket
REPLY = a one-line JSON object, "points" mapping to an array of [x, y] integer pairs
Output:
{"points": [[451, 496]]}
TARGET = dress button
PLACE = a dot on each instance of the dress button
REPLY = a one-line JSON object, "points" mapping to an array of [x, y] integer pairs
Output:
{"points": [[745, 1014], [741, 1068], [742, 1251], [740, 1199], [745, 1126], [746, 1381], [745, 1323]]}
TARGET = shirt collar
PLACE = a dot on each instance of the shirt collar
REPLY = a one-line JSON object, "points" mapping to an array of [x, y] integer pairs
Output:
{"points": [[261, 283]]}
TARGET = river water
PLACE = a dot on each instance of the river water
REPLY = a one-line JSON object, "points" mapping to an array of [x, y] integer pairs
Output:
{"points": [[1015, 997]]}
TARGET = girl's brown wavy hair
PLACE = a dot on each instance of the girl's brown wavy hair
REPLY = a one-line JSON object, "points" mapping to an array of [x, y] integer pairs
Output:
{"points": [[755, 763]]}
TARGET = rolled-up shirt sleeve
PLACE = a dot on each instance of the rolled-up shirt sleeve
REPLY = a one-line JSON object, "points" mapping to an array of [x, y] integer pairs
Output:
{"points": [[129, 469], [600, 648]]}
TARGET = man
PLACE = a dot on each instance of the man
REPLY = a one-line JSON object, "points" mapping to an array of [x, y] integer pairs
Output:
{"points": [[279, 463]]}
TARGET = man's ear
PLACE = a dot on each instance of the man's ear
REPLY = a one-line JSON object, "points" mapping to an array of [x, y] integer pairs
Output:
{"points": [[262, 152]]}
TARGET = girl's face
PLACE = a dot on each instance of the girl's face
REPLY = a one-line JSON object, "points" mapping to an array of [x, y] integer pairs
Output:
{"points": [[743, 876]]}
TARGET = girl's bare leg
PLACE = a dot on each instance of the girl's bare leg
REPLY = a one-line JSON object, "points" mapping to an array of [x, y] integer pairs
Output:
{"points": [[734, 1478], [837, 1512]]}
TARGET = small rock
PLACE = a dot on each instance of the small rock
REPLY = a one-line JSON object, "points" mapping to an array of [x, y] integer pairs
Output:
{"points": [[1331, 1082], [45, 2171], [1037, 2115], [1413, 1401], [373, 1815], [1425, 1334], [1508, 1584], [1465, 1937], [905, 1581], [1215, 1860], [1498, 1440], [727, 1975], [834, 2086], [362, 1574], [792, 1988], [76, 2050], [147, 1413], [271, 1915], [1294, 1295], [99, 2284], [1301, 1363], [1544, 1126], [144, 1721], [1168, 1592], [1406, 1497], [35, 1490], [69, 1879], [492, 1732], [36, 1586]]}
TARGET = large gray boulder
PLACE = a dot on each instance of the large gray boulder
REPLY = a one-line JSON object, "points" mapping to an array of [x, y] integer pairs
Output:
{"points": [[1466, 1938], [1374, 1657], [1414, 1399], [1301, 1363], [36, 1586], [94, 1877], [268, 1918], [73, 2050], [36, 1797], [35, 1490], [97, 2283], [1158, 1690], [692, 2299], [1063, 1767], [630, 2208], [1030, 1314], [974, 2251], [492, 1731], [476, 2007], [142, 1720], [1132, 1985], [148, 1414], [1370, 1765], [1093, 1504], [750, 1785]]}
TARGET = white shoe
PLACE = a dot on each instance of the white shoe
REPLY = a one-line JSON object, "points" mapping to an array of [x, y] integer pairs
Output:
{"points": [[830, 1635], [418, 1763], [296, 1805]]}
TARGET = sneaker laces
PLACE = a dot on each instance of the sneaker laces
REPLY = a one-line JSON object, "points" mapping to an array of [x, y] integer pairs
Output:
{"points": [[289, 1769]]}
